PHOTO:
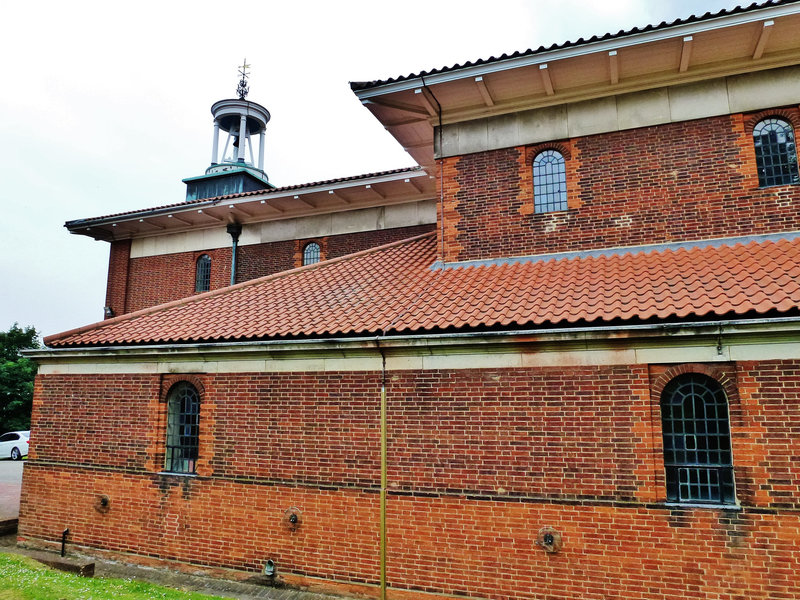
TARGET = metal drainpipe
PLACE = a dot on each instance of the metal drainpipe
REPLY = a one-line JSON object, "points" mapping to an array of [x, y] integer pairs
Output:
{"points": [[234, 229], [441, 168], [384, 477]]}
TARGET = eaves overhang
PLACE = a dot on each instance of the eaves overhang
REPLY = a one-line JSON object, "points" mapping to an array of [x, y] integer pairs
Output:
{"points": [[759, 37], [338, 195], [722, 334]]}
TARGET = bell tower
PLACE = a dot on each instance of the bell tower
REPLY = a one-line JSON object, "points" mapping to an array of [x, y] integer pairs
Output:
{"points": [[239, 166]]}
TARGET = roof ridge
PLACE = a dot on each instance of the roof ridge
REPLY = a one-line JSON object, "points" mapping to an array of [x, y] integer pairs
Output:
{"points": [[225, 290]]}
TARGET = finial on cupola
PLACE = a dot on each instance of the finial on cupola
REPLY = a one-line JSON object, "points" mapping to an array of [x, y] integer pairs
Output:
{"points": [[243, 88]]}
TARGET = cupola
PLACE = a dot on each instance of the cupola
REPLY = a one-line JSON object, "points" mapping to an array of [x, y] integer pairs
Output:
{"points": [[238, 166]]}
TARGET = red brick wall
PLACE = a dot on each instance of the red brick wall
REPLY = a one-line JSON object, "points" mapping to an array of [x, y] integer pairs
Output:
{"points": [[259, 260], [117, 283], [675, 182], [157, 279], [479, 461], [138, 283]]}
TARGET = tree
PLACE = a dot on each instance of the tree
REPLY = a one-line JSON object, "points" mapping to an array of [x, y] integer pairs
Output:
{"points": [[16, 378]]}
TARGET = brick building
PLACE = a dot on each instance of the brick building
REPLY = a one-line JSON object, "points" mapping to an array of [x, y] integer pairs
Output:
{"points": [[566, 364]]}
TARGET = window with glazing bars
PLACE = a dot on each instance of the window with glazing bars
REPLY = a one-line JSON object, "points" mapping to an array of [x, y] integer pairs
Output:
{"points": [[697, 441], [311, 253], [549, 182], [776, 153], [183, 428], [202, 279]]}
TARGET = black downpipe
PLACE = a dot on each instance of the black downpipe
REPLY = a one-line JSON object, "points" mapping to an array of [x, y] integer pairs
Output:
{"points": [[441, 167], [64, 535], [235, 230]]}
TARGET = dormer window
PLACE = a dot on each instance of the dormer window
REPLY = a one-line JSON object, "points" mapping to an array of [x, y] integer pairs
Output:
{"points": [[776, 153], [202, 278], [549, 182]]}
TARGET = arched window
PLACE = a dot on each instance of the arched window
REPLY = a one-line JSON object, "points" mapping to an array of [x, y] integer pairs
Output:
{"points": [[697, 441], [202, 278], [776, 153], [549, 182], [183, 428], [311, 253]]}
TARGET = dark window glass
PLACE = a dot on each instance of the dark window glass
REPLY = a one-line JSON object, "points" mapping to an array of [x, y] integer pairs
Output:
{"points": [[697, 441], [183, 433], [776, 153], [549, 182], [311, 253], [8, 437], [202, 280]]}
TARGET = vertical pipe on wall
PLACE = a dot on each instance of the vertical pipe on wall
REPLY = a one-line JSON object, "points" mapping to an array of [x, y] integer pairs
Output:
{"points": [[384, 477], [234, 229], [441, 170]]}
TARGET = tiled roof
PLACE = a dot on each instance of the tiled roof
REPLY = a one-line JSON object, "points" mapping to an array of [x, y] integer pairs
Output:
{"points": [[216, 199], [394, 289], [363, 85]]}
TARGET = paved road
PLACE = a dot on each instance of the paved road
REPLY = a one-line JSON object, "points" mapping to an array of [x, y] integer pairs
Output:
{"points": [[10, 484]]}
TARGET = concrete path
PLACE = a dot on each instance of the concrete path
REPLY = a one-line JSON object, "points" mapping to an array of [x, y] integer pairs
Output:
{"points": [[206, 585], [10, 485]]}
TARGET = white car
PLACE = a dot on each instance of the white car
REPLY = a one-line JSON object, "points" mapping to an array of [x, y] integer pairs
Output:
{"points": [[14, 444]]}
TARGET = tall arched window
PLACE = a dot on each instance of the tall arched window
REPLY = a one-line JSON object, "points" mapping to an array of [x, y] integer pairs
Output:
{"points": [[183, 428], [311, 253], [697, 441], [549, 182], [776, 153], [202, 278]]}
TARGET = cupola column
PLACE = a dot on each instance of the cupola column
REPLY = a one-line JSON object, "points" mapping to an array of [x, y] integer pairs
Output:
{"points": [[261, 137], [242, 137], [215, 145]]}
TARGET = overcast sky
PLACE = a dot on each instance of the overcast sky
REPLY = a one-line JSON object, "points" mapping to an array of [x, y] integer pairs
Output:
{"points": [[104, 106]]}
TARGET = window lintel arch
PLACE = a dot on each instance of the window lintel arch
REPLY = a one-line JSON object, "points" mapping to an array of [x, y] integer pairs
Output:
{"points": [[533, 151], [786, 114]]}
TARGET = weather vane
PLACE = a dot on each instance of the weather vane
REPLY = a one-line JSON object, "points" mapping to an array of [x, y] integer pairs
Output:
{"points": [[243, 88]]}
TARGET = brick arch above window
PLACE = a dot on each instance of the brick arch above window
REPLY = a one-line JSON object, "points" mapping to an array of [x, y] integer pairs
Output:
{"points": [[531, 152], [792, 115], [169, 381], [300, 246], [717, 372]]}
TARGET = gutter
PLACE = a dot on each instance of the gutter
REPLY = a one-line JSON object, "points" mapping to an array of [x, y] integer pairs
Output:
{"points": [[715, 327]]}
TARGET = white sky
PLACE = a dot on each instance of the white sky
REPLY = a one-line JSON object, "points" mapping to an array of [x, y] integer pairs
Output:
{"points": [[104, 106]]}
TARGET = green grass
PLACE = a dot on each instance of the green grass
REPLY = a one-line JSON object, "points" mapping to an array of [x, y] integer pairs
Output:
{"points": [[22, 578]]}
